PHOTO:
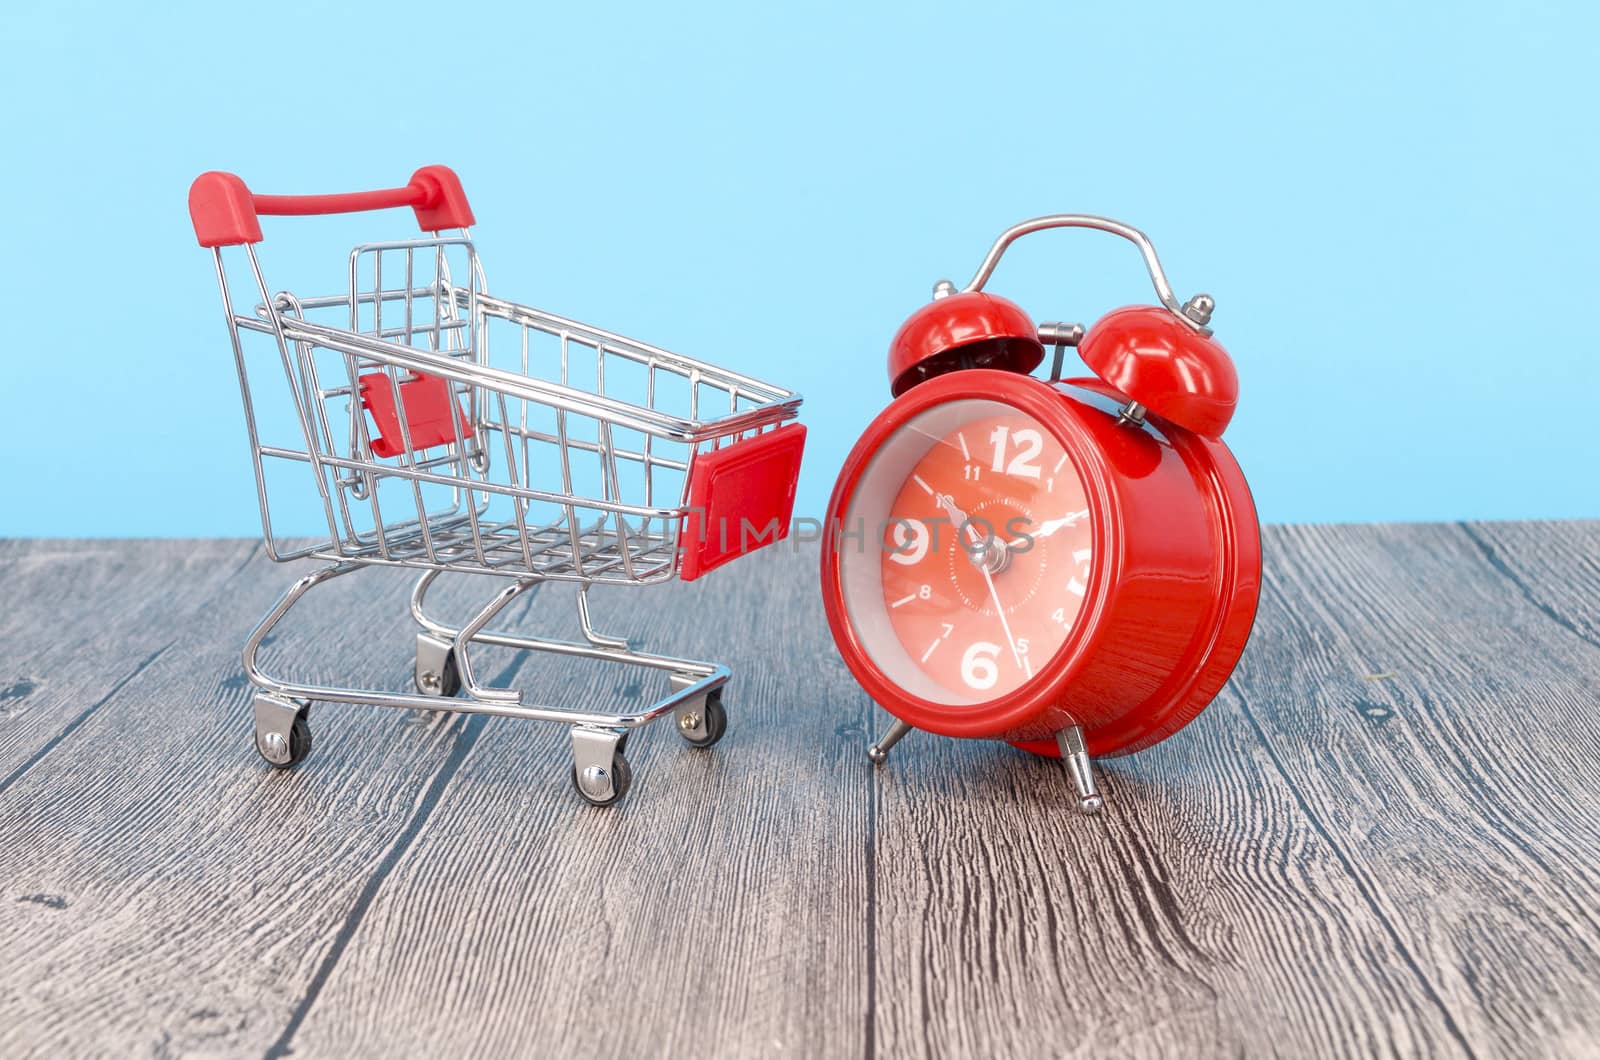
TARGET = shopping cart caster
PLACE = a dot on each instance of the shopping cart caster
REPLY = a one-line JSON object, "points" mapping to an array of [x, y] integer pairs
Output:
{"points": [[600, 774], [283, 730], [436, 673], [701, 721]]}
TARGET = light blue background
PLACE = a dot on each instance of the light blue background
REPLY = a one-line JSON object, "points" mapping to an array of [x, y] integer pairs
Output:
{"points": [[1394, 205]]}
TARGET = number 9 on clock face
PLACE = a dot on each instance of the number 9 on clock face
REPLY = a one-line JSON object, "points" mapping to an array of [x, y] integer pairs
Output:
{"points": [[970, 552]]}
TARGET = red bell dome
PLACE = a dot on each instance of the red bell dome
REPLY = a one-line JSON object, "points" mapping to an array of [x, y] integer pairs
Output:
{"points": [[970, 329], [1166, 365]]}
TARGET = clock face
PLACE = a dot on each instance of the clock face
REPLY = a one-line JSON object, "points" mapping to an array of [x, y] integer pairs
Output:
{"points": [[967, 552]]}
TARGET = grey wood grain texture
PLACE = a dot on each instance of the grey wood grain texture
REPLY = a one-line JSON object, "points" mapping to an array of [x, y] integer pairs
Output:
{"points": [[63, 658], [1383, 838]]}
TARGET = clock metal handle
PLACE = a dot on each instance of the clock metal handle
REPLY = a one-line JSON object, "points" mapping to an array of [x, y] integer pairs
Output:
{"points": [[1196, 312]]}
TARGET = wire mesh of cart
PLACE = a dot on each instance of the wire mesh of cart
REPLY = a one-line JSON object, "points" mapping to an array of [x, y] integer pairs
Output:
{"points": [[442, 429]]}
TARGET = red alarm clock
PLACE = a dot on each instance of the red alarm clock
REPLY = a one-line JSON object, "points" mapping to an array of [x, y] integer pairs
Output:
{"points": [[1068, 565]]}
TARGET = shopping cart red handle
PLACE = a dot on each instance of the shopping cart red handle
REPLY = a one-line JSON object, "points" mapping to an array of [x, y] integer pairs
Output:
{"points": [[226, 213]]}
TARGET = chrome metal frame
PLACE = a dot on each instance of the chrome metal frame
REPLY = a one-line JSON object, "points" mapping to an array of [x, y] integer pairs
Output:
{"points": [[548, 476]]}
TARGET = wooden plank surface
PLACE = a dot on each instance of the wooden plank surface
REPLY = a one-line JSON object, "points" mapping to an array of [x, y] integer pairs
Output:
{"points": [[1384, 837], [63, 657], [721, 908], [167, 894], [1463, 722]]}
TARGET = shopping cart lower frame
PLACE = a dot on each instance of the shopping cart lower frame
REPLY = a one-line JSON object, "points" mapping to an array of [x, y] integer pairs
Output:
{"points": [[600, 772]]}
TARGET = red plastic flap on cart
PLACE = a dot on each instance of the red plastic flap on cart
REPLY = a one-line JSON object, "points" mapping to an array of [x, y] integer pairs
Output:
{"points": [[740, 498], [427, 406]]}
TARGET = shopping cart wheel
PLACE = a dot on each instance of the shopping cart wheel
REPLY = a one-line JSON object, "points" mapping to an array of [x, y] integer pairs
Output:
{"points": [[282, 748], [702, 724], [436, 673], [300, 737], [621, 777]]}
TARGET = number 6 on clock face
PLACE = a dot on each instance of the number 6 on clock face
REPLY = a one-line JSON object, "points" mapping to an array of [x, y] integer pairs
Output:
{"points": [[978, 670]]}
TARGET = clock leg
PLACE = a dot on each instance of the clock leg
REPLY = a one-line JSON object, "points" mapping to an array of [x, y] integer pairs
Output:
{"points": [[879, 751], [1075, 756]]}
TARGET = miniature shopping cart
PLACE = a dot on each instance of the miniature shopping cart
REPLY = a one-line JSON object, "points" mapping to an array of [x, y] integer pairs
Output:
{"points": [[558, 452]]}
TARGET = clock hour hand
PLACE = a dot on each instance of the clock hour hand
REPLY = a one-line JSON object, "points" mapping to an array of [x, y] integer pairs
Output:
{"points": [[958, 518]]}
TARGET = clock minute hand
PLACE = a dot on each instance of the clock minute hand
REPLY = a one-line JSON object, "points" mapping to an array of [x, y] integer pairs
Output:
{"points": [[1049, 526]]}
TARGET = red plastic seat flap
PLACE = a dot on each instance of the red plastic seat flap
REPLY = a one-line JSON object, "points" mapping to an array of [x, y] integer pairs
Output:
{"points": [[741, 497], [427, 406]]}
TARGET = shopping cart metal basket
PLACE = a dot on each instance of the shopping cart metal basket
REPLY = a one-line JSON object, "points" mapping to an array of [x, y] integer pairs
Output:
{"points": [[442, 429]]}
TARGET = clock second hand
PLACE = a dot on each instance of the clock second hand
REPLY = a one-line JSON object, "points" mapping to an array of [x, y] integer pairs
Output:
{"points": [[1001, 611], [949, 505]]}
